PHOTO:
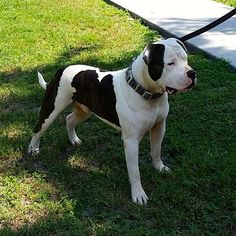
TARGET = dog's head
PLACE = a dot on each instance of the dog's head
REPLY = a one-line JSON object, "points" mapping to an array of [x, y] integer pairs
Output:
{"points": [[167, 65]]}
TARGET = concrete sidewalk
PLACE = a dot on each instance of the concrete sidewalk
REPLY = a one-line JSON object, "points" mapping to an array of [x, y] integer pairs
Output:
{"points": [[181, 17]]}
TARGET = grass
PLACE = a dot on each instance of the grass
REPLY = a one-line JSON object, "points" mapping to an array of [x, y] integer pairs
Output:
{"points": [[231, 3], [85, 191]]}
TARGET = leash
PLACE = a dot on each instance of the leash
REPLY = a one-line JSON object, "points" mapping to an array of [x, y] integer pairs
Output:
{"points": [[146, 94], [209, 26]]}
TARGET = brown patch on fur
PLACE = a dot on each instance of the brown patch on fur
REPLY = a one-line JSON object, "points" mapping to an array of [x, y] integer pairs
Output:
{"points": [[81, 111]]}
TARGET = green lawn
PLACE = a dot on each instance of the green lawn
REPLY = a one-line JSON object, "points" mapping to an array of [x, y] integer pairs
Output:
{"points": [[85, 191], [228, 2]]}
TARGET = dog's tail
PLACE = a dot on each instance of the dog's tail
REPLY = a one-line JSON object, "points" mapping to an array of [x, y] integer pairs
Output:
{"points": [[42, 81]]}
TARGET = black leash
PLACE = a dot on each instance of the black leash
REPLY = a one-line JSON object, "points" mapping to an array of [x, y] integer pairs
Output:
{"points": [[209, 26], [147, 95]]}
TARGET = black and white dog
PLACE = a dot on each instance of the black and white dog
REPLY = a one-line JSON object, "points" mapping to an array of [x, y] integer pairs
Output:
{"points": [[132, 100]]}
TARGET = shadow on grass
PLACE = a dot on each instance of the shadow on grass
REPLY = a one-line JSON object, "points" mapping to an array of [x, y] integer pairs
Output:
{"points": [[24, 87], [66, 225], [89, 174], [94, 178]]}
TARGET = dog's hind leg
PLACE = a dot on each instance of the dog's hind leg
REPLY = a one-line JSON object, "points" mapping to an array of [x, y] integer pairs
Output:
{"points": [[80, 114], [43, 124], [56, 99]]}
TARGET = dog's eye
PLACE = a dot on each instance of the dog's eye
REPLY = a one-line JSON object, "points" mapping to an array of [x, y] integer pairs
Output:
{"points": [[171, 64]]}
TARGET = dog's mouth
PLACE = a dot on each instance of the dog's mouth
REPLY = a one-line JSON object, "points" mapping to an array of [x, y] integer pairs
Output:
{"points": [[170, 90], [191, 85]]}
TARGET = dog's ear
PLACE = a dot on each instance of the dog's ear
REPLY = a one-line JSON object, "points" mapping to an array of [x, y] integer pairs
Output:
{"points": [[154, 58], [182, 45], [152, 51]]}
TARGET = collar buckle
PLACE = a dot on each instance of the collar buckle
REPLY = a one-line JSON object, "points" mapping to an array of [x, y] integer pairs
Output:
{"points": [[138, 88], [147, 95]]}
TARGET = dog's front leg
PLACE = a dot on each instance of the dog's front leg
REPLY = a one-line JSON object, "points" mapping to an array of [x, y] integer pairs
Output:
{"points": [[131, 146], [156, 136]]}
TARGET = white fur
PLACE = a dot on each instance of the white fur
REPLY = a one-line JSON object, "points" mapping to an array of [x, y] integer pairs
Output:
{"points": [[136, 115], [42, 81]]}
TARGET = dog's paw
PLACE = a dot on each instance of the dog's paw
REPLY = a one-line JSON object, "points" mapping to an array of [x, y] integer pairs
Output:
{"points": [[161, 167], [138, 195], [165, 169], [75, 141], [33, 151]]}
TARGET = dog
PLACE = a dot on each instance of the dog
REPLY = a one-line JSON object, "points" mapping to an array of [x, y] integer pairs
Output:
{"points": [[133, 100]]}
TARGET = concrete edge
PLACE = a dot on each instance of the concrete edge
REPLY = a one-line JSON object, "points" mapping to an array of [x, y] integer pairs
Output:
{"points": [[166, 34]]}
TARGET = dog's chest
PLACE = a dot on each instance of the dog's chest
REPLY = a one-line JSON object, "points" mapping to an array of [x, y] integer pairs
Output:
{"points": [[137, 113], [152, 115]]}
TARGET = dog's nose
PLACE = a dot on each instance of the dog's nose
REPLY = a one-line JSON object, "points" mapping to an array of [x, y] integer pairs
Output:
{"points": [[192, 74]]}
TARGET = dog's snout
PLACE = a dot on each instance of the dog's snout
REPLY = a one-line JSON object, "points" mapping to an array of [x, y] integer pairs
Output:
{"points": [[192, 74]]}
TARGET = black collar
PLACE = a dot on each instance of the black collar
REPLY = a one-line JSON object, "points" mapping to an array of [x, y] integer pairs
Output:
{"points": [[138, 88]]}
